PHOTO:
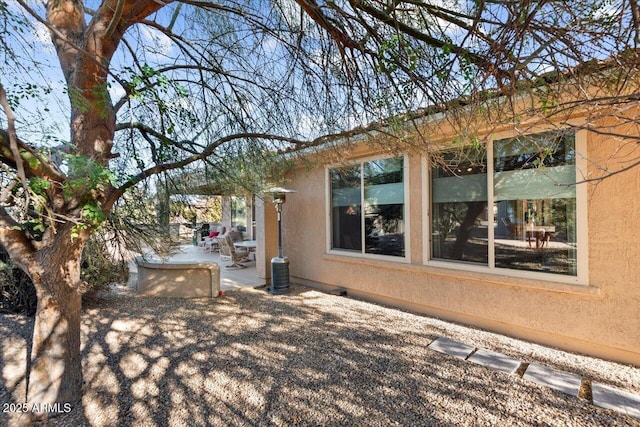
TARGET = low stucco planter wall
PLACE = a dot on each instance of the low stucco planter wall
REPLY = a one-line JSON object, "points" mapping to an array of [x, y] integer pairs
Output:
{"points": [[178, 279]]}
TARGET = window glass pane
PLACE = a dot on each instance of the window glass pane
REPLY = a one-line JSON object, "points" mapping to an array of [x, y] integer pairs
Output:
{"points": [[239, 213], [346, 212], [535, 205], [459, 207], [384, 207]]}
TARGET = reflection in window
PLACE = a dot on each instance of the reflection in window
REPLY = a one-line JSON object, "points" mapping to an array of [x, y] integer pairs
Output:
{"points": [[367, 203], [384, 207], [535, 204], [533, 211], [346, 208], [239, 213], [459, 206]]}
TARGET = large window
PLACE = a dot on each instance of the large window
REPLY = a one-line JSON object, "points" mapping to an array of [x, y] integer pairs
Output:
{"points": [[513, 209], [367, 207], [459, 198]]}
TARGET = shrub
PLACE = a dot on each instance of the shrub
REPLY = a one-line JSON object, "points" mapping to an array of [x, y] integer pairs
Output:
{"points": [[98, 272], [17, 293], [99, 269]]}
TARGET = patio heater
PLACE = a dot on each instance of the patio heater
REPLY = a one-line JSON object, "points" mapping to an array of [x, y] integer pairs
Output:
{"points": [[279, 264]]}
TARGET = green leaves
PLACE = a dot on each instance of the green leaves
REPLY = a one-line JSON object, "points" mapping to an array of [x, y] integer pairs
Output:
{"points": [[394, 52], [93, 213], [39, 185], [96, 99], [92, 216], [152, 87], [84, 187], [147, 78], [87, 181], [86, 177], [26, 91]]}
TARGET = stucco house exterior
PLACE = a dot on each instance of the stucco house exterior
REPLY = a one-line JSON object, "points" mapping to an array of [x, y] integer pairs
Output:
{"points": [[514, 234]]}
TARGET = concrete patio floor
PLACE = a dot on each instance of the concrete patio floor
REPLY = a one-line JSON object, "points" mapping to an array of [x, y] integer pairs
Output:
{"points": [[230, 279]]}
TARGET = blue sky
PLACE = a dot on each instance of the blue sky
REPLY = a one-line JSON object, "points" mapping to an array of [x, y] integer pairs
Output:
{"points": [[40, 66], [47, 73]]}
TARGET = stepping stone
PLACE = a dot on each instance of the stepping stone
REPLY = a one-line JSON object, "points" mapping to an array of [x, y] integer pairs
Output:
{"points": [[496, 361], [452, 348], [553, 378], [618, 400]]}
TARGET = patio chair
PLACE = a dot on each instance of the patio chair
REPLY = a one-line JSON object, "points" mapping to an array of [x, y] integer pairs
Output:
{"points": [[210, 241], [231, 253], [223, 246], [514, 229], [211, 244]]}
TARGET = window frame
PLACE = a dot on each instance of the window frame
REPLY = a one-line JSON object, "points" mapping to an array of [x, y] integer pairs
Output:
{"points": [[329, 211], [582, 257]]}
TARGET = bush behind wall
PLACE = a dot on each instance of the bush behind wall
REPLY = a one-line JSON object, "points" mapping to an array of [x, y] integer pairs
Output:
{"points": [[99, 271]]}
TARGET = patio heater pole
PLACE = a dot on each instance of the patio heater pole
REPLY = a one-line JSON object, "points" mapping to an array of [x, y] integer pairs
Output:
{"points": [[279, 264], [279, 209]]}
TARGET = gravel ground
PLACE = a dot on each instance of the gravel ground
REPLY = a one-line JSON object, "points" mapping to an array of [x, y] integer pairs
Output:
{"points": [[306, 358]]}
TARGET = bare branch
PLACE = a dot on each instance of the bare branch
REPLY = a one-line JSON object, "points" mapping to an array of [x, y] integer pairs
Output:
{"points": [[114, 22], [206, 152], [13, 140]]}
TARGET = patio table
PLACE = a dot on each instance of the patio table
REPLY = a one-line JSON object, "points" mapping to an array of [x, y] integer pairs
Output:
{"points": [[250, 245], [541, 234]]}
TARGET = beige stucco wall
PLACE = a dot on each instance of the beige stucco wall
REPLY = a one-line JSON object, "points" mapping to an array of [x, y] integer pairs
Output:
{"points": [[178, 279], [601, 318]]}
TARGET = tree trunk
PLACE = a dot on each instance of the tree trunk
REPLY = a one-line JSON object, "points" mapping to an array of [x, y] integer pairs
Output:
{"points": [[55, 377], [473, 210]]}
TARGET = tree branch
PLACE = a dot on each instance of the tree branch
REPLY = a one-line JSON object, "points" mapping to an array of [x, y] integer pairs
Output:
{"points": [[113, 23], [206, 152], [385, 18], [15, 240], [63, 38], [32, 162], [13, 140], [313, 10]]}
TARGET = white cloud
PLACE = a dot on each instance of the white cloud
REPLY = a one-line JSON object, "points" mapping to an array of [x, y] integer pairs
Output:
{"points": [[156, 41], [270, 44], [309, 125], [116, 92], [608, 9]]}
